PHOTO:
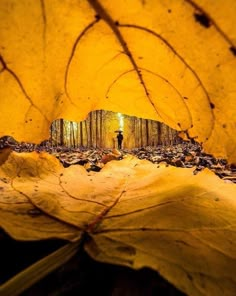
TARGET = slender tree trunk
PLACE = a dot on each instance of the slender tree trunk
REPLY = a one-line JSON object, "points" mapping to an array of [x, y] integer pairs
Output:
{"points": [[77, 134], [61, 133], [171, 132], [91, 129], [135, 131], [147, 131], [81, 134], [159, 133], [97, 129], [138, 132], [56, 135], [167, 136], [86, 131], [134, 126], [72, 134], [101, 128], [151, 133], [141, 132], [138, 143]]}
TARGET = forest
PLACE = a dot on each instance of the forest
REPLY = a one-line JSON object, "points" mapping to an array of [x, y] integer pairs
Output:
{"points": [[99, 130]]}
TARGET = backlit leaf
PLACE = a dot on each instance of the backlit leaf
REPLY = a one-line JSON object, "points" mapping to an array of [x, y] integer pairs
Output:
{"points": [[172, 61]]}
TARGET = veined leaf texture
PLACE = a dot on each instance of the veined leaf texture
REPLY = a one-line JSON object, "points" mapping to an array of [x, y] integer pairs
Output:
{"points": [[172, 61]]}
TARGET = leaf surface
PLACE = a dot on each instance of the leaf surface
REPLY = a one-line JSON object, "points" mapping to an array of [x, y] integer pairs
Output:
{"points": [[136, 214], [19, 217], [172, 61]]}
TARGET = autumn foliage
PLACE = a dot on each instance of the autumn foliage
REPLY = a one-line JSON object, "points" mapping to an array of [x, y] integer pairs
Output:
{"points": [[172, 61]]}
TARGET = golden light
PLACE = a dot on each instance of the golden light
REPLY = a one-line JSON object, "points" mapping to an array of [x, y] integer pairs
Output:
{"points": [[121, 121]]}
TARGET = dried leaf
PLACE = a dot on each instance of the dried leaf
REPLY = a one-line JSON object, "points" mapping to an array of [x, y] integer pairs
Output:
{"points": [[136, 214], [108, 157], [19, 217]]}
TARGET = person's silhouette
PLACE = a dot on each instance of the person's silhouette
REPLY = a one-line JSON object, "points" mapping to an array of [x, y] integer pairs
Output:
{"points": [[120, 139]]}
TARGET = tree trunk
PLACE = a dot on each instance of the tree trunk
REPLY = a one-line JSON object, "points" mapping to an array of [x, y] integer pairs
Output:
{"points": [[72, 134], [77, 134], [86, 131], [97, 130], [159, 131], [147, 131], [81, 134], [167, 135], [101, 128], [61, 133], [141, 132], [91, 129]]}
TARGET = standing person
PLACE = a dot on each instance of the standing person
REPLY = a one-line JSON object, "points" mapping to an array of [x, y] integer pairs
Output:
{"points": [[120, 139]]}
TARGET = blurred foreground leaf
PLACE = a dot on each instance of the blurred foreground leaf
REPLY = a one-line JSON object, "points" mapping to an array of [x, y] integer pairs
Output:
{"points": [[135, 213]]}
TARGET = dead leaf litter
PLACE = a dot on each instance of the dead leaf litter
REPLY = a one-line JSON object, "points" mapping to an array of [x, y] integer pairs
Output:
{"points": [[185, 155]]}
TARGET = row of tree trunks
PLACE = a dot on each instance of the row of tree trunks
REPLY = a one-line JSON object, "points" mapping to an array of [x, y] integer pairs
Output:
{"points": [[153, 133], [98, 130]]}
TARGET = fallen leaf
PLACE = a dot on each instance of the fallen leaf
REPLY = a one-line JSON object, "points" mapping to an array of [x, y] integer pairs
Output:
{"points": [[108, 157], [135, 214], [19, 217]]}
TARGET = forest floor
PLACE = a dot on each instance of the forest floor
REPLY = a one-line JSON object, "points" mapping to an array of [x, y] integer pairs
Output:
{"points": [[82, 275], [185, 155]]}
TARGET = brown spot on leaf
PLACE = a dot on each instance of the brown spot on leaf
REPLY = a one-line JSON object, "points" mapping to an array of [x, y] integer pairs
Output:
{"points": [[202, 19], [212, 105], [233, 50], [97, 17]]}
